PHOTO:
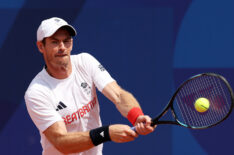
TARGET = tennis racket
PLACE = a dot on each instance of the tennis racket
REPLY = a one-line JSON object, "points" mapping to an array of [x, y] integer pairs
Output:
{"points": [[187, 108]]}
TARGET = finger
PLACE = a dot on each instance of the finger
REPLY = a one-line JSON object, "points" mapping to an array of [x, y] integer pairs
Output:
{"points": [[143, 129], [131, 138], [140, 128], [126, 139], [149, 128], [137, 128], [147, 120], [146, 129], [131, 133]]}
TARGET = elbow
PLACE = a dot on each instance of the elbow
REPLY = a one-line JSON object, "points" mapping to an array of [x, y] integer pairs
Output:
{"points": [[64, 147], [68, 150], [61, 148], [122, 97], [65, 150], [118, 98]]}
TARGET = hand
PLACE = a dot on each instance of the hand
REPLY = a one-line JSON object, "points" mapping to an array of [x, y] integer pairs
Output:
{"points": [[143, 126], [121, 133]]}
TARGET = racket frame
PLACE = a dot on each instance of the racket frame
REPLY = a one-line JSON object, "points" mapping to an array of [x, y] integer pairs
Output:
{"points": [[170, 106]]}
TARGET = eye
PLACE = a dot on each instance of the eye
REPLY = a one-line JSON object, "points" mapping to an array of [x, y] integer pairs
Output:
{"points": [[67, 41], [54, 42]]}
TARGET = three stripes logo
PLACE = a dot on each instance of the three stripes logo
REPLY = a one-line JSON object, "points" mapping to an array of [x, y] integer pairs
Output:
{"points": [[61, 106]]}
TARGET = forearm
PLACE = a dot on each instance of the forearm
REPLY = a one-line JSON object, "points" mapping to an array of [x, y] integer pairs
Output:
{"points": [[68, 142], [123, 100], [74, 142], [126, 102]]}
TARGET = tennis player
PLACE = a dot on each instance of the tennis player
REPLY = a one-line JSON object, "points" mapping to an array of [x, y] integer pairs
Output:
{"points": [[62, 99]]}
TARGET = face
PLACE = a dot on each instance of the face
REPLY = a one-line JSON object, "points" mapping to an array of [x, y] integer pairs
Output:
{"points": [[56, 51]]}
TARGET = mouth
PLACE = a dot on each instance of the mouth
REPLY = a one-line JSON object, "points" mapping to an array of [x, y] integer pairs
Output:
{"points": [[60, 55]]}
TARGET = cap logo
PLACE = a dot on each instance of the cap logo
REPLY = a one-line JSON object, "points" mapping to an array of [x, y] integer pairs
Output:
{"points": [[57, 20]]}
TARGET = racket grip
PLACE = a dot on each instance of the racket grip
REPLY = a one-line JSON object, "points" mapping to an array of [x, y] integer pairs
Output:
{"points": [[133, 128]]}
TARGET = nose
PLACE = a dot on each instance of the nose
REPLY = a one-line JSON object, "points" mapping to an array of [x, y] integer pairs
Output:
{"points": [[61, 46]]}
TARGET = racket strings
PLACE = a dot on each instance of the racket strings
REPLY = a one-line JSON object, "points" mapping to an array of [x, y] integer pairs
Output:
{"points": [[185, 110], [219, 99], [209, 117], [210, 87], [222, 111], [214, 114], [199, 121]]}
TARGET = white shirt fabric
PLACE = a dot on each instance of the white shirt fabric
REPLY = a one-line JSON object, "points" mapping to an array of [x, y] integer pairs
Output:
{"points": [[72, 100]]}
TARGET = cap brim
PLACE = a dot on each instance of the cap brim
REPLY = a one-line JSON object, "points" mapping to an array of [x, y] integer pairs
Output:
{"points": [[70, 29]]}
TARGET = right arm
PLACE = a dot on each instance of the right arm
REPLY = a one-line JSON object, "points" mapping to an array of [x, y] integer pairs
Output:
{"points": [[50, 123], [73, 142]]}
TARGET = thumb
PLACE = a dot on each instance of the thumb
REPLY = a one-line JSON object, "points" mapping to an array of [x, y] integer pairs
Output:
{"points": [[147, 120]]}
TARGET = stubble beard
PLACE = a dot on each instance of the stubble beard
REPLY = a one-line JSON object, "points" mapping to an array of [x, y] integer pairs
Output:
{"points": [[63, 65]]}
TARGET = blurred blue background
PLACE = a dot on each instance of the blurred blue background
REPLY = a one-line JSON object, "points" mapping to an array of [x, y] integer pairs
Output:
{"points": [[148, 46]]}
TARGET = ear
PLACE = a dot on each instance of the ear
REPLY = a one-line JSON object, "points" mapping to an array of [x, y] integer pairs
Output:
{"points": [[72, 44], [40, 46]]}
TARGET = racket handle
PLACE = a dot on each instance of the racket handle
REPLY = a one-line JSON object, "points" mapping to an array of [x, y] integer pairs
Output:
{"points": [[133, 128], [153, 123]]}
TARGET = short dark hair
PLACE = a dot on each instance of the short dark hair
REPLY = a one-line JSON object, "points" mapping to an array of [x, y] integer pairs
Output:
{"points": [[68, 29], [63, 28], [44, 41]]}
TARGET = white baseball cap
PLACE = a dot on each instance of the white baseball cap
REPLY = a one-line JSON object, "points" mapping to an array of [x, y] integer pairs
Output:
{"points": [[49, 26]]}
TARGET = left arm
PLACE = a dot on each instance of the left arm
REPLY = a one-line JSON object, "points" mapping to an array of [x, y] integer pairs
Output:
{"points": [[125, 102]]}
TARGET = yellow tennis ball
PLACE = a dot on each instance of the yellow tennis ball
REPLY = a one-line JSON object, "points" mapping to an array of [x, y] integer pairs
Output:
{"points": [[202, 104]]}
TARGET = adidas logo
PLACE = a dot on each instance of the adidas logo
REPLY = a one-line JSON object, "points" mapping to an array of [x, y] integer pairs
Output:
{"points": [[102, 133], [61, 106]]}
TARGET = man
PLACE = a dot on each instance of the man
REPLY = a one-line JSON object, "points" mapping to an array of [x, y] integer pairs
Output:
{"points": [[62, 100]]}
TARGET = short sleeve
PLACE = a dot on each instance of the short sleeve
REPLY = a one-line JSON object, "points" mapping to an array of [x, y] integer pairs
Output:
{"points": [[99, 74], [40, 110]]}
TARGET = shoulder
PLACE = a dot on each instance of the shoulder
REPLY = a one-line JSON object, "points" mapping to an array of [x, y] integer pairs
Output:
{"points": [[81, 56], [83, 59], [38, 87]]}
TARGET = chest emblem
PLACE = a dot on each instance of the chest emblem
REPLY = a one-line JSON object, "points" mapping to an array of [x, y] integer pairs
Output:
{"points": [[86, 87]]}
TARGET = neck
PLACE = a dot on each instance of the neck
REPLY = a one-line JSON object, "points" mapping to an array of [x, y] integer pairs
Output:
{"points": [[60, 72]]}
